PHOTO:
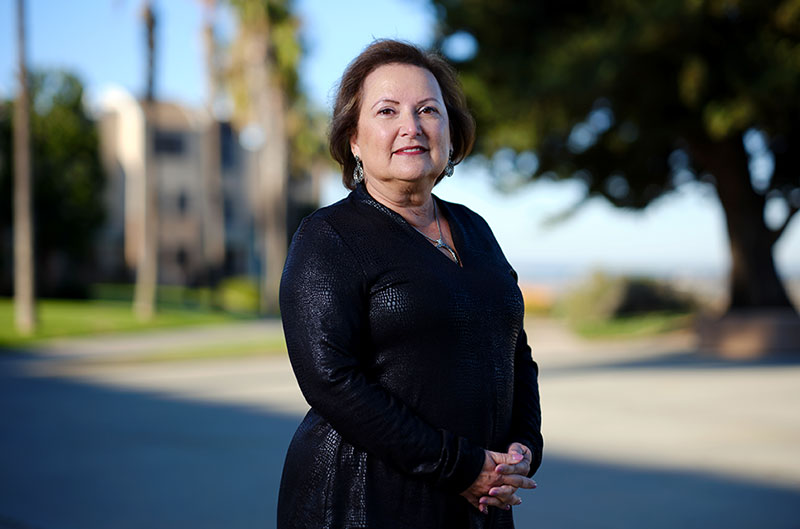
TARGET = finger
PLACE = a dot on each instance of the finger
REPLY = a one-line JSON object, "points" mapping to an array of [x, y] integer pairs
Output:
{"points": [[494, 501], [489, 501], [520, 449], [475, 502], [527, 456], [515, 480], [484, 503], [521, 468], [510, 458], [504, 493]]}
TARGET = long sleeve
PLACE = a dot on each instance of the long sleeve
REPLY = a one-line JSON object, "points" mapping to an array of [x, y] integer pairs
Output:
{"points": [[324, 299], [527, 416]]}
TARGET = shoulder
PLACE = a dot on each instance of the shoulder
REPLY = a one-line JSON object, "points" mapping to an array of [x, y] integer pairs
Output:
{"points": [[338, 217], [467, 217], [329, 235]]}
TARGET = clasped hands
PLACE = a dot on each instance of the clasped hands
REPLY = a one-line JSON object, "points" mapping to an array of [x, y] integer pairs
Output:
{"points": [[500, 478]]}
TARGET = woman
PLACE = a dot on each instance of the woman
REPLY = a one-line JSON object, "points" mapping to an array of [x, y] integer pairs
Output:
{"points": [[403, 322]]}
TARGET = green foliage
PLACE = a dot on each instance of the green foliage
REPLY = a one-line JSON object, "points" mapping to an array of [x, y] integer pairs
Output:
{"points": [[67, 176], [604, 298], [306, 126], [167, 296], [234, 295], [238, 295], [635, 98], [274, 19], [610, 89]]}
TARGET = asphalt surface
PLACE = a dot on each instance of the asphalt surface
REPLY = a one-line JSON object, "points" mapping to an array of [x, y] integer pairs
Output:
{"points": [[639, 434]]}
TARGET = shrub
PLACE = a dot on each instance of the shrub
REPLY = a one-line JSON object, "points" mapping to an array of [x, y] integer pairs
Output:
{"points": [[538, 300], [605, 297], [238, 295]]}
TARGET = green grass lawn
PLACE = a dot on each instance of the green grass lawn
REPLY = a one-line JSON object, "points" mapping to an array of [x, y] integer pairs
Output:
{"points": [[632, 326], [270, 345], [86, 317]]}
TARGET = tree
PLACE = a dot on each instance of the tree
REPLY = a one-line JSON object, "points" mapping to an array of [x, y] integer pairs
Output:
{"points": [[213, 214], [24, 293], [144, 297], [68, 183], [637, 97], [263, 81]]}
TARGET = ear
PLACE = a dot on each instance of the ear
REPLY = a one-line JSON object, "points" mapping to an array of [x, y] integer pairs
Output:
{"points": [[354, 146]]}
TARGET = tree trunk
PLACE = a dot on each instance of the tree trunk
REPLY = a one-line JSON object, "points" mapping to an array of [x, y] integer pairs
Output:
{"points": [[144, 301], [268, 101], [213, 199], [754, 281], [24, 292]]}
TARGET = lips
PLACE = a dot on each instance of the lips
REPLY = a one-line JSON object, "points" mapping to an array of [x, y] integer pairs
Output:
{"points": [[414, 149]]}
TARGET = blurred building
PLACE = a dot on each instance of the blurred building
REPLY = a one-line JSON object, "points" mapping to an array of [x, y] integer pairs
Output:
{"points": [[202, 175]]}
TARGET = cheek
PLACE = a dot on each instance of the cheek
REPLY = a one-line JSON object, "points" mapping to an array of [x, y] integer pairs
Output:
{"points": [[441, 130], [375, 136]]}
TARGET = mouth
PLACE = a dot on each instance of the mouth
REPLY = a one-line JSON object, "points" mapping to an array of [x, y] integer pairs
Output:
{"points": [[415, 149]]}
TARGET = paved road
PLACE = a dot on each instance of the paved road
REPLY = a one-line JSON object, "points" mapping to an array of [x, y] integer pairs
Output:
{"points": [[639, 435]]}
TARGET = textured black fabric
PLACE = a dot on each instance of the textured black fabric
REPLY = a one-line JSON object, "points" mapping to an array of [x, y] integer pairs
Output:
{"points": [[412, 366]]}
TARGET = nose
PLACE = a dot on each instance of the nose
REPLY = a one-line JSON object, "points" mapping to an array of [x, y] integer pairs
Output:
{"points": [[410, 125]]}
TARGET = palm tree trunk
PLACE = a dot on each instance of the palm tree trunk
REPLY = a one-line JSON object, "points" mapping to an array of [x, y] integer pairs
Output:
{"points": [[24, 293], [144, 300], [213, 210], [270, 109], [274, 186]]}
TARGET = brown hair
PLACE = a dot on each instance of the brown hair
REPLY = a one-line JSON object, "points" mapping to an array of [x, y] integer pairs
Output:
{"points": [[344, 123]]}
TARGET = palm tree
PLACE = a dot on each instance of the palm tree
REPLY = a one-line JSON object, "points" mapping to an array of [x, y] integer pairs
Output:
{"points": [[147, 259], [265, 35], [24, 293], [213, 217]]}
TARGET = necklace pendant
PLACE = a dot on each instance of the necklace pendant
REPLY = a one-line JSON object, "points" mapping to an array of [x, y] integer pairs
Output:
{"points": [[442, 244], [440, 241]]}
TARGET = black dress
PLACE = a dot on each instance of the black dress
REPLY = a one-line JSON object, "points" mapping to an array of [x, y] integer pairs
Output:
{"points": [[412, 366]]}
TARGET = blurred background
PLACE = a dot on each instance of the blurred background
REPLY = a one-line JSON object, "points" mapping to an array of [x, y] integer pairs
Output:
{"points": [[639, 164]]}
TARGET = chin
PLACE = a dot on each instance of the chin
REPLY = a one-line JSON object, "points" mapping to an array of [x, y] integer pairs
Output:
{"points": [[416, 178], [416, 175]]}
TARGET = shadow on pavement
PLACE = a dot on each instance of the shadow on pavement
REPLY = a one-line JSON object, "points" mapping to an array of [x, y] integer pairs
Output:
{"points": [[576, 494], [689, 360], [75, 455], [80, 456]]}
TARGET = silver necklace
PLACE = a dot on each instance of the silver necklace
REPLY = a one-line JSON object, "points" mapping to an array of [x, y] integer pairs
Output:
{"points": [[440, 241]]}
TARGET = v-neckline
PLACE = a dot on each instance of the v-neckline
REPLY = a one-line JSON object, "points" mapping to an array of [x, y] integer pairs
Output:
{"points": [[445, 212]]}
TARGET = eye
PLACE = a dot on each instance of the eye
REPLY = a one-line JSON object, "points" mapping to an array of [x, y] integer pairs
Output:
{"points": [[429, 110], [386, 111]]}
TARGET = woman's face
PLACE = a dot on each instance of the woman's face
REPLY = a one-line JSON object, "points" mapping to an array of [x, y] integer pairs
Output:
{"points": [[403, 133]]}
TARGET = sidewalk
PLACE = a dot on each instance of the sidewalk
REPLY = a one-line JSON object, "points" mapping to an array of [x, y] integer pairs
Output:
{"points": [[638, 435]]}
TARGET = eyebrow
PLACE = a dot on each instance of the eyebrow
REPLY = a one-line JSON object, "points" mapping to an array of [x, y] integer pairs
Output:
{"points": [[387, 100]]}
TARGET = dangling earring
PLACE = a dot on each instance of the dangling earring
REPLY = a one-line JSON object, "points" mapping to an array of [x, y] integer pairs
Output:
{"points": [[450, 167], [358, 171]]}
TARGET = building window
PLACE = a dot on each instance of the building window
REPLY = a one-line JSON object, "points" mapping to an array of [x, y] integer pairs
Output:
{"points": [[168, 142], [182, 257], [183, 203], [227, 146], [227, 211]]}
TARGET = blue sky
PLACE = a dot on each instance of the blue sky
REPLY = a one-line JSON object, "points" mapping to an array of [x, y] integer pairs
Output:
{"points": [[102, 40]]}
